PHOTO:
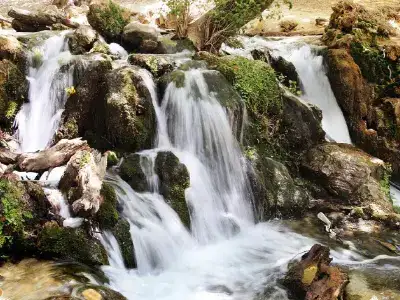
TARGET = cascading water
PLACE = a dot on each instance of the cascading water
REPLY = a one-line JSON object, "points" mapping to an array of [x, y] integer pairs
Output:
{"points": [[312, 74], [226, 255], [49, 76]]}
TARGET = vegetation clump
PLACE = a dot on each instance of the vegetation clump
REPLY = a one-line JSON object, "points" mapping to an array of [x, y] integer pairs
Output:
{"points": [[13, 211], [107, 216]]}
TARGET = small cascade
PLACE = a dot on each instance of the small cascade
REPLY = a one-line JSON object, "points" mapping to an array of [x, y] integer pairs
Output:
{"points": [[49, 76], [312, 74]]}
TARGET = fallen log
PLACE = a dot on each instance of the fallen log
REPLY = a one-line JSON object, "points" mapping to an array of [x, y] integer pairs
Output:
{"points": [[7, 157], [39, 19], [82, 182], [55, 156], [312, 278]]}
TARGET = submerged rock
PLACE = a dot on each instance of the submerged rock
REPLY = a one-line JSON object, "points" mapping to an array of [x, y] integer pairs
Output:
{"points": [[174, 180], [350, 175], [108, 19], [313, 277]]}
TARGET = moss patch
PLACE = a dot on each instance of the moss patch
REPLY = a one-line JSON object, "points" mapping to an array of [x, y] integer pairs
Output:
{"points": [[107, 216], [122, 234]]}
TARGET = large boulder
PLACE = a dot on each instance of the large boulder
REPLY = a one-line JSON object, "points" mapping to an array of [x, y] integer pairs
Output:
{"points": [[131, 171], [351, 176], [130, 115], [108, 19], [82, 40], [275, 192], [140, 37]]}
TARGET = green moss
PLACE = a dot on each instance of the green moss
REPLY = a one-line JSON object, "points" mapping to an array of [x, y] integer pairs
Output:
{"points": [[111, 19], [178, 77], [153, 65], [112, 159], [234, 43], [122, 234], [71, 244], [396, 209], [13, 213], [11, 110], [385, 182], [71, 128], [372, 62], [85, 159], [358, 212], [255, 81], [107, 216], [37, 58]]}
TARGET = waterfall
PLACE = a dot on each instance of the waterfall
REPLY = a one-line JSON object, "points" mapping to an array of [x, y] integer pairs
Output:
{"points": [[225, 255], [312, 74], [49, 76]]}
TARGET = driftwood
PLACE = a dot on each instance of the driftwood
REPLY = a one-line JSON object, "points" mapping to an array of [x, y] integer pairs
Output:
{"points": [[55, 156], [313, 278], [82, 182], [7, 157]]}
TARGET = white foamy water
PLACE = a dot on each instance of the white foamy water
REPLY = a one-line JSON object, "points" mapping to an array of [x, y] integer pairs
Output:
{"points": [[312, 74], [395, 193], [38, 119]]}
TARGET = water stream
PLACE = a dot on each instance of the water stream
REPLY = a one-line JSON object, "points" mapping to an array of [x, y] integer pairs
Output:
{"points": [[49, 76], [225, 255]]}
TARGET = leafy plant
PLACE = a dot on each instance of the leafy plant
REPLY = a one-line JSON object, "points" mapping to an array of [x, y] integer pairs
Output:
{"points": [[180, 10]]}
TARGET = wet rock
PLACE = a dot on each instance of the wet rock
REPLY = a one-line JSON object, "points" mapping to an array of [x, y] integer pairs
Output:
{"points": [[82, 182], [280, 65], [158, 65], [350, 175], [301, 126], [107, 216], [276, 193], [131, 171], [70, 244], [122, 234], [84, 113], [100, 47], [40, 20], [313, 277], [174, 180], [140, 37], [108, 19], [167, 45], [82, 40]]}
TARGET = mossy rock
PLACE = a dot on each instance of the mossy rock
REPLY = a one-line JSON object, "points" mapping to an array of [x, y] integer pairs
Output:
{"points": [[123, 236], [112, 159], [107, 215], [130, 115], [108, 18], [255, 81], [167, 45], [13, 92], [131, 171], [174, 180], [70, 244], [157, 64]]}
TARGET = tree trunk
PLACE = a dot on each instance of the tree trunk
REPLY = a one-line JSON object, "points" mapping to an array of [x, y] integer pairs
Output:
{"points": [[55, 156], [210, 30]]}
